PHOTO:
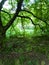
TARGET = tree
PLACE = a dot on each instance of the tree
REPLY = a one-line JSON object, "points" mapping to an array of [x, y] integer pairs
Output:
{"points": [[23, 7]]}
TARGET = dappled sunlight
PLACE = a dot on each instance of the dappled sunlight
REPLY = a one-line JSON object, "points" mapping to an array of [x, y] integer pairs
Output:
{"points": [[24, 32]]}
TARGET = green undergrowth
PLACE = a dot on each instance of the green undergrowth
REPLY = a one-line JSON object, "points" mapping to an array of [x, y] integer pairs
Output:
{"points": [[29, 51]]}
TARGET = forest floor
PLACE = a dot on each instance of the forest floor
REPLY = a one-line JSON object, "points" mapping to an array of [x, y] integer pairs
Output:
{"points": [[27, 51]]}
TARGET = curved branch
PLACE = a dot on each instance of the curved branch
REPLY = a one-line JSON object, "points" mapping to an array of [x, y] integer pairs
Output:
{"points": [[27, 18], [31, 21], [7, 13], [35, 16]]}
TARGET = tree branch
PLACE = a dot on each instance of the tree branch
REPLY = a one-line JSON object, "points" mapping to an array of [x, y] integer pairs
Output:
{"points": [[23, 17], [31, 21], [35, 16], [15, 15], [6, 12], [27, 18], [1, 26]]}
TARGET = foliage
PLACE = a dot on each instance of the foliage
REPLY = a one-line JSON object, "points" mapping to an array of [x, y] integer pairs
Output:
{"points": [[24, 32]]}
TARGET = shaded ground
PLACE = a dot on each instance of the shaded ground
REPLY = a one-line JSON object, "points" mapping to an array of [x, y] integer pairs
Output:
{"points": [[25, 51]]}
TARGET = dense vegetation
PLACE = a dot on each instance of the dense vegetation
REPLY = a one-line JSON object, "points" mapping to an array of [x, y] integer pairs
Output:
{"points": [[24, 32]]}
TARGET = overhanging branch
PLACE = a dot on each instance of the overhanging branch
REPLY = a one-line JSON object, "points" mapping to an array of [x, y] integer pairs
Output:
{"points": [[31, 21], [35, 16], [15, 15], [27, 18], [7, 13]]}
